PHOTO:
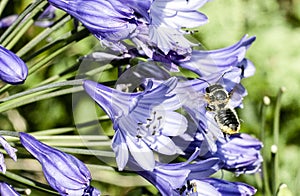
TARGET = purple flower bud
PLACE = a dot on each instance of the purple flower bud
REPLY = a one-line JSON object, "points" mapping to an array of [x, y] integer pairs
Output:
{"points": [[111, 20], [10, 151], [46, 19], [65, 173], [8, 20], [12, 69], [241, 154], [6, 189]]}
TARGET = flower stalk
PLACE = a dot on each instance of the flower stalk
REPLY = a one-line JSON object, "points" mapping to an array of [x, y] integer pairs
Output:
{"points": [[275, 146], [21, 24], [265, 150]]}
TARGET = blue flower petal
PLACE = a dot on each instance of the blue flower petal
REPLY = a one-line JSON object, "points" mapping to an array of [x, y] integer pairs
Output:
{"points": [[8, 20], [141, 152], [120, 148], [215, 61], [7, 190], [174, 124], [10, 151], [102, 18], [12, 69], [231, 188], [113, 102], [241, 154]]}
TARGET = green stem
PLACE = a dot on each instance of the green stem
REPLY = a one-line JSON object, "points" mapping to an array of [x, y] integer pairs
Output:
{"points": [[17, 35], [77, 144], [42, 88], [9, 133], [54, 131], [23, 101], [71, 137], [264, 173], [27, 11], [2, 5], [274, 166], [21, 22], [28, 182], [88, 152], [43, 35], [274, 149], [60, 43], [277, 116]]}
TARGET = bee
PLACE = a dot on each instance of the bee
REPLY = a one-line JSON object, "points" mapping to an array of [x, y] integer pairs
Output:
{"points": [[218, 102]]}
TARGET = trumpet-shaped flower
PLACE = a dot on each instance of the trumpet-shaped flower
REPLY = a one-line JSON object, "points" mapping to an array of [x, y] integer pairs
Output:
{"points": [[65, 173], [205, 62], [12, 69], [143, 121], [10, 151], [169, 178], [6, 189], [192, 177], [240, 154]]}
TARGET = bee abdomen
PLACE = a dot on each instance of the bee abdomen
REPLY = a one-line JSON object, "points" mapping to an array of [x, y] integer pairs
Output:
{"points": [[228, 121]]}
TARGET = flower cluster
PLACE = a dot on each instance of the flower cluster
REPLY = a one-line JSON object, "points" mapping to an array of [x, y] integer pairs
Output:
{"points": [[173, 130], [151, 25]]}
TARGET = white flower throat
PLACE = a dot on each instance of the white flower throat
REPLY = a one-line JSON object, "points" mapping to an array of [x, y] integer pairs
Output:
{"points": [[151, 127]]}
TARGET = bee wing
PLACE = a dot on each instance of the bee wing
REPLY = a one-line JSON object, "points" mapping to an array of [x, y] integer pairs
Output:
{"points": [[237, 95]]}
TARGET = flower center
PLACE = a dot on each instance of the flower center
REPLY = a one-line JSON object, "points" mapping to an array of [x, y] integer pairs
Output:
{"points": [[151, 127]]}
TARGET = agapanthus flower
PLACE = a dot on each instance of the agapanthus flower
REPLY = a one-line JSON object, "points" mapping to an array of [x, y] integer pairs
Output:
{"points": [[205, 62], [240, 154], [192, 177], [168, 17], [162, 32], [8, 20], [13, 70], [156, 23], [168, 178], [7, 190], [10, 151], [143, 121], [64, 173]]}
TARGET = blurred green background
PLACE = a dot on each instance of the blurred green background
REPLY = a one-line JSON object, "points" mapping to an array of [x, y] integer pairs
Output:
{"points": [[275, 53]]}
